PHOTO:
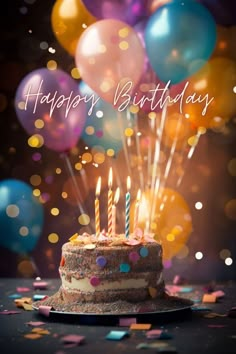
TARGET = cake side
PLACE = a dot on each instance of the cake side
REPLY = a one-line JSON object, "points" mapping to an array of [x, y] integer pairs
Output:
{"points": [[104, 271]]}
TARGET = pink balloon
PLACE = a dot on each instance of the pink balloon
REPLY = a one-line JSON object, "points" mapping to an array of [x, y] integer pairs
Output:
{"points": [[44, 105], [109, 55]]}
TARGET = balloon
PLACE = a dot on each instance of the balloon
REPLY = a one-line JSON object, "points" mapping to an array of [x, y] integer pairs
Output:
{"points": [[223, 11], [171, 224], [129, 11], [180, 37], [21, 216], [105, 127], [60, 128], [115, 58], [144, 90], [69, 20], [218, 80]]}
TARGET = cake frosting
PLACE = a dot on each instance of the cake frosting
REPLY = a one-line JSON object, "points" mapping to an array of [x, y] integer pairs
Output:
{"points": [[108, 268]]}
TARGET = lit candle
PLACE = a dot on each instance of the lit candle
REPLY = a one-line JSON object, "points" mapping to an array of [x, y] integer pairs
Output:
{"points": [[136, 210], [116, 199], [97, 212], [127, 207], [109, 204]]}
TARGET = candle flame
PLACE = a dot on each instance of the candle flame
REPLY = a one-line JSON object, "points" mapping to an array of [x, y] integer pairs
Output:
{"points": [[117, 195], [110, 178], [138, 195], [98, 187], [128, 183]]}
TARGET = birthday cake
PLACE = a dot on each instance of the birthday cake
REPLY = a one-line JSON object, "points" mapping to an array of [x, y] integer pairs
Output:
{"points": [[111, 268]]}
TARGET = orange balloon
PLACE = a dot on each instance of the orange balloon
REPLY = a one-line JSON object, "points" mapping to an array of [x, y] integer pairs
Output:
{"points": [[171, 223], [69, 20], [217, 79]]}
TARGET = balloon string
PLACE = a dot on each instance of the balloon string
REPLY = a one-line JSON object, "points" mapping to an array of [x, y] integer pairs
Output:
{"points": [[127, 159], [159, 134], [75, 185], [139, 155]]}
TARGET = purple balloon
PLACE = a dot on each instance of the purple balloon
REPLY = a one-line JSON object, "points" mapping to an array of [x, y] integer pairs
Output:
{"points": [[129, 11], [48, 103], [223, 11]]}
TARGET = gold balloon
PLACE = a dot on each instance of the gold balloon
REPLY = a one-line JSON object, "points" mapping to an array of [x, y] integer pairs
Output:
{"points": [[171, 223], [217, 79], [69, 20]]}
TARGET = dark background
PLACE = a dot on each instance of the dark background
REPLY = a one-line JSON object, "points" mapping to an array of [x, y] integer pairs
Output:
{"points": [[24, 26]]}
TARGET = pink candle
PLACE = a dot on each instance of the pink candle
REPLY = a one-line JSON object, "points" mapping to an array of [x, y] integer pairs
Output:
{"points": [[97, 211], [116, 199], [109, 204], [127, 208]]}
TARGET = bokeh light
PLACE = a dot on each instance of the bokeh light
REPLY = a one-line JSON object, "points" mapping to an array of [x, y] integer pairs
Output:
{"points": [[199, 255]]}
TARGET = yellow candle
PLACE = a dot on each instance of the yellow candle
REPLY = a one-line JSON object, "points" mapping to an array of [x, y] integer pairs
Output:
{"points": [[109, 204], [136, 210], [116, 199], [97, 211]]}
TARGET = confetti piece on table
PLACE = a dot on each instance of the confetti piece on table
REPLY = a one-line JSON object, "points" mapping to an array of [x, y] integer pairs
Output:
{"points": [[117, 335], [40, 330], [178, 280], [45, 310], [140, 326], [32, 336], [218, 294], [127, 321], [72, 340], [167, 350], [154, 345], [27, 307], [185, 289], [37, 297], [22, 289], [216, 326], [9, 312], [200, 308], [209, 298], [21, 302], [40, 285], [153, 334], [214, 315], [15, 296], [35, 323]]}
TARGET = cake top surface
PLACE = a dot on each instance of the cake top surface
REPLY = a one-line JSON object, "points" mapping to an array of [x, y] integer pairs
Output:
{"points": [[90, 241]]}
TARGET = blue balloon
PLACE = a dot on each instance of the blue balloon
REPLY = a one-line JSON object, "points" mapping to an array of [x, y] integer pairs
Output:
{"points": [[105, 126], [21, 216], [180, 37]]}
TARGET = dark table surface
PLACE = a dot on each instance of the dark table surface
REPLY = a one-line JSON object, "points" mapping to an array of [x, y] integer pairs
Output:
{"points": [[191, 331]]}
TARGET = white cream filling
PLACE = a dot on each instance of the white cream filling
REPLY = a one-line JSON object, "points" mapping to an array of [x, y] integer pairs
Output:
{"points": [[85, 286]]}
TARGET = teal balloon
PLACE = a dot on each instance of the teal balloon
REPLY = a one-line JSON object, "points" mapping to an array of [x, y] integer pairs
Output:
{"points": [[21, 216], [179, 37], [105, 126]]}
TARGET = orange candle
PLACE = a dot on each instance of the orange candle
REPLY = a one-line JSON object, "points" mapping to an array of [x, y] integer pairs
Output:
{"points": [[97, 211], [109, 204]]}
